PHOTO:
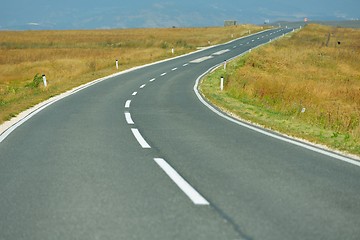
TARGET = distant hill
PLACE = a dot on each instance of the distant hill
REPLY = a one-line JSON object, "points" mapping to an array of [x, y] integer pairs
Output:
{"points": [[106, 14], [343, 24]]}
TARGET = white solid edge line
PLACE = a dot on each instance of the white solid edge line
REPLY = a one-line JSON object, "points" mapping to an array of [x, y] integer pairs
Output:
{"points": [[9, 126], [127, 104], [194, 196], [128, 118], [247, 125], [140, 138]]}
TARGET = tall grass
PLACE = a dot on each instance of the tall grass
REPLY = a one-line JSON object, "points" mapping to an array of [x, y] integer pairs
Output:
{"points": [[70, 58], [310, 79]]}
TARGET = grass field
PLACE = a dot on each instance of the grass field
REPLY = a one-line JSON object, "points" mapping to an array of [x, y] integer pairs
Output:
{"points": [[306, 85], [71, 58]]}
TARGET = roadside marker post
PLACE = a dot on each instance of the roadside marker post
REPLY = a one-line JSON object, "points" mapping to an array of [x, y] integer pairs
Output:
{"points": [[224, 64], [44, 80], [172, 50], [222, 83], [117, 64]]}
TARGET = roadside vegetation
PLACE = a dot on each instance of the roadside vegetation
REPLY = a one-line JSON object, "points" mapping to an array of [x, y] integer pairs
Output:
{"points": [[306, 85], [71, 58]]}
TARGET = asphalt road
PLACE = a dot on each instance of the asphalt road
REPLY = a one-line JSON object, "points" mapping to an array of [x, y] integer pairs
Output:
{"points": [[138, 156]]}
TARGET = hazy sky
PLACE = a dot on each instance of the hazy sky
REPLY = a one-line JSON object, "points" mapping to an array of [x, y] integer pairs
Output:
{"points": [[91, 14]]}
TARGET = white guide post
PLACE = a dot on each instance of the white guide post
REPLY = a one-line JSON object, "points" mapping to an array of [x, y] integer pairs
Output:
{"points": [[222, 83], [44, 80]]}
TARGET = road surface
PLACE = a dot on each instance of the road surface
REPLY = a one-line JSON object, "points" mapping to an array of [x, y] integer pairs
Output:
{"points": [[139, 156]]}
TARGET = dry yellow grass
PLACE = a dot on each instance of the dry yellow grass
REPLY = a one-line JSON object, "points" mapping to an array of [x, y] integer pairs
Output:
{"points": [[307, 71], [70, 58]]}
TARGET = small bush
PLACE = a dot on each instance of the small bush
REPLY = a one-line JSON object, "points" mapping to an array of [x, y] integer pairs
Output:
{"points": [[36, 81]]}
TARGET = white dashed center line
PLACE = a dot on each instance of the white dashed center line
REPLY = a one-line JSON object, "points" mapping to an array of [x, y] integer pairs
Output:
{"points": [[127, 104], [194, 196], [142, 86], [174, 69], [153, 79], [134, 93], [128, 118], [185, 64], [221, 52], [140, 138], [199, 60], [163, 74]]}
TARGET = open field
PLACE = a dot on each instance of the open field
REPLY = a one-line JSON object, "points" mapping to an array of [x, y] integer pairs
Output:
{"points": [[71, 58], [306, 85]]}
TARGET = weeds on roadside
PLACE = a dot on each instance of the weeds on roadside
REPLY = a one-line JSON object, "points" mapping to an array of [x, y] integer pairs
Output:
{"points": [[71, 58], [303, 84], [36, 81]]}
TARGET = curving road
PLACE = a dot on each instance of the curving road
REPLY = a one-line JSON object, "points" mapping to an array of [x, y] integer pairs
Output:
{"points": [[138, 156]]}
